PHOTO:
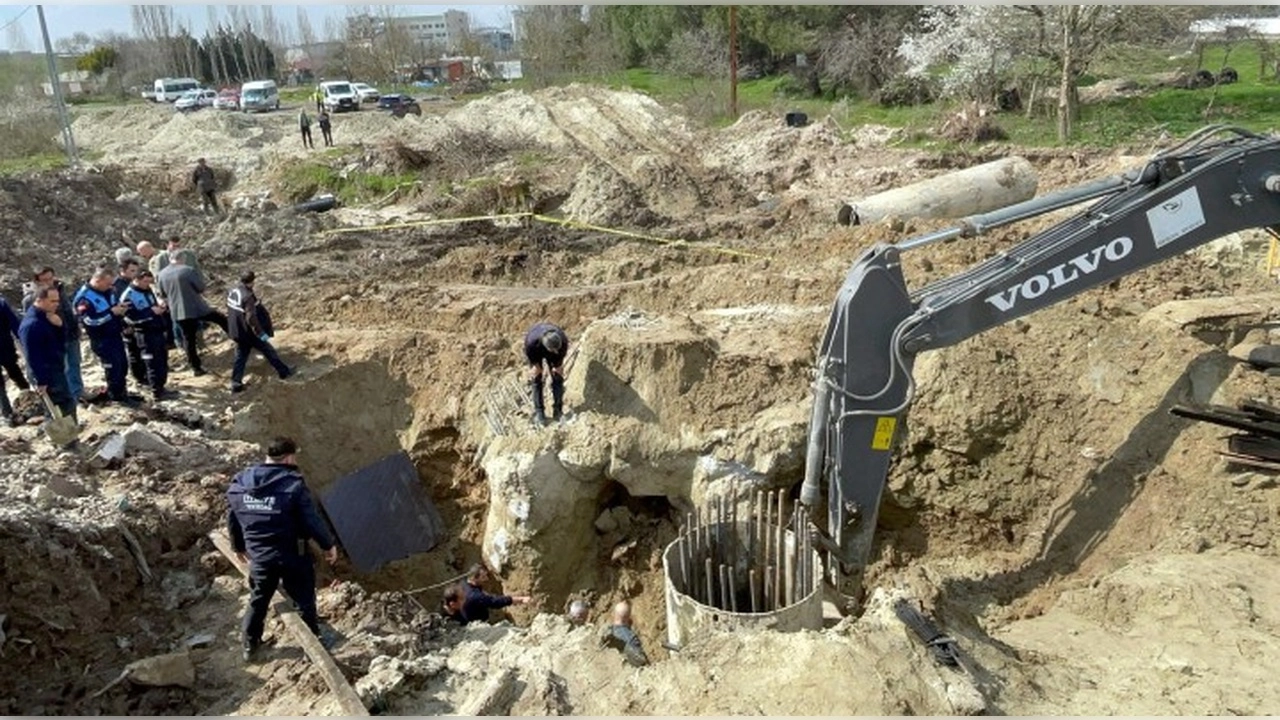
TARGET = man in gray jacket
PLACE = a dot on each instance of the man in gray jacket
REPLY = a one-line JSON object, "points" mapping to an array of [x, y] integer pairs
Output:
{"points": [[183, 288]]}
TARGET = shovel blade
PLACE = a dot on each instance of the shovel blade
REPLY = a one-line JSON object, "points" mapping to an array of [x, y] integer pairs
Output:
{"points": [[63, 430]]}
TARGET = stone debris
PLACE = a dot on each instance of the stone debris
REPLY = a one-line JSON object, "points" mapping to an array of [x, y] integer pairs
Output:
{"points": [[163, 670]]}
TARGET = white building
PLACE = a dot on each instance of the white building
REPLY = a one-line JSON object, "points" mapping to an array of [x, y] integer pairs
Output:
{"points": [[1261, 27], [445, 30]]}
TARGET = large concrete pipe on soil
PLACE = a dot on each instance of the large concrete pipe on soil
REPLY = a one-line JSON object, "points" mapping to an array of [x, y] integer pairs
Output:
{"points": [[979, 189]]}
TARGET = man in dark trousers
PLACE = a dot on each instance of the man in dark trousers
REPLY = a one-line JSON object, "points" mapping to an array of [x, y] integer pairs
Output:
{"points": [[326, 129], [9, 324], [148, 319], [181, 287], [207, 185], [128, 271], [546, 343], [246, 328], [44, 277], [304, 125], [270, 520], [476, 603], [43, 334], [99, 311]]}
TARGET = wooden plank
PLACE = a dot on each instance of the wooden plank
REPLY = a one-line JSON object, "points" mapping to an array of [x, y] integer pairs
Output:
{"points": [[1263, 448], [348, 701]]}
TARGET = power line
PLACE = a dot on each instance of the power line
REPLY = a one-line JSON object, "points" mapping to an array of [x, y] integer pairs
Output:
{"points": [[16, 18]]}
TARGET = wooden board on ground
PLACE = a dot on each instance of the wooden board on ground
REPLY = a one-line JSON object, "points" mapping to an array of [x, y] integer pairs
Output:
{"points": [[348, 700], [1249, 460]]}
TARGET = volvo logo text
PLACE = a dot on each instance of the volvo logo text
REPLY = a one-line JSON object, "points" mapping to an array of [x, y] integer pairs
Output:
{"points": [[1064, 274]]}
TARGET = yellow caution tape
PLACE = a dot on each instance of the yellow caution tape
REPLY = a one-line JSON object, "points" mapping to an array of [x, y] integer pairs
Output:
{"points": [[574, 224]]}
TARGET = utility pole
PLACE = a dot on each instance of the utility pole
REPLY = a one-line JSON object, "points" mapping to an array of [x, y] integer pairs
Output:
{"points": [[69, 142], [733, 61]]}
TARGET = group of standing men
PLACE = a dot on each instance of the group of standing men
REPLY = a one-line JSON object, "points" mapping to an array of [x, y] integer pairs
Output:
{"points": [[132, 316]]}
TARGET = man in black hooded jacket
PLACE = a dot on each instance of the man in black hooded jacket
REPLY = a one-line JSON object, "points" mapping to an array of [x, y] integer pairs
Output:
{"points": [[271, 518]]}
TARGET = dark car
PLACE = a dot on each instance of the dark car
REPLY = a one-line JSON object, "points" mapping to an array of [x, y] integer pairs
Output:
{"points": [[399, 105]]}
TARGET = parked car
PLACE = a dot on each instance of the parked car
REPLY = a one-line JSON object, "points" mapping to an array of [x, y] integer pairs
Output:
{"points": [[399, 105], [367, 93], [339, 96], [227, 100], [194, 100]]}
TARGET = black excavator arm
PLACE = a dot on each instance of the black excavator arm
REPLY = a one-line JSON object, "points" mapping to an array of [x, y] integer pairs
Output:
{"points": [[1218, 181]]}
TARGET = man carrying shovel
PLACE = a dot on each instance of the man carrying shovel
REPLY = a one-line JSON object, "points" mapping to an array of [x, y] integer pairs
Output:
{"points": [[43, 335]]}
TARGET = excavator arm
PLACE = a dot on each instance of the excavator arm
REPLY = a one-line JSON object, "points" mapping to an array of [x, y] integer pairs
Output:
{"points": [[1218, 181]]}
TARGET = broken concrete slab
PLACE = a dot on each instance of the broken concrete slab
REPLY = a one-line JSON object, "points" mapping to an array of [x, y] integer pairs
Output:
{"points": [[163, 670], [1180, 314], [139, 439], [111, 451]]}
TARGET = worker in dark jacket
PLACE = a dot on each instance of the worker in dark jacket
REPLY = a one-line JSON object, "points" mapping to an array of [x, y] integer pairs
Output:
{"points": [[9, 324], [99, 311], [148, 319], [43, 338], [128, 271], [44, 277], [546, 343], [246, 328], [476, 603], [207, 185], [270, 520]]}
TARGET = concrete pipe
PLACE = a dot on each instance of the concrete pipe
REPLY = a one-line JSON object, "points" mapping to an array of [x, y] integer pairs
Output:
{"points": [[979, 189]]}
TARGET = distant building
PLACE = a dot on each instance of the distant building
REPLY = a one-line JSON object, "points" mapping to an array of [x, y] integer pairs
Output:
{"points": [[445, 30], [517, 25], [500, 40], [74, 82]]}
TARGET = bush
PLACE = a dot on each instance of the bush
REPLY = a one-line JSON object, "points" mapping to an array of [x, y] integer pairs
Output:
{"points": [[29, 128], [906, 91]]}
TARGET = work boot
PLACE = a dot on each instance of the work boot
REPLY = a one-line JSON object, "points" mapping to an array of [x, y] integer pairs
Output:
{"points": [[557, 397], [250, 649], [539, 406], [6, 409], [237, 387]]}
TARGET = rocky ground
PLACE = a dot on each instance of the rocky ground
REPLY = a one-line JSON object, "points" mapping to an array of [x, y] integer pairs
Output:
{"points": [[1090, 551]]}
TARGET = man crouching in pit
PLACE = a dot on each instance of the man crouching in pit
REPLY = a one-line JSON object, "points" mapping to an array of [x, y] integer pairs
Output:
{"points": [[271, 518]]}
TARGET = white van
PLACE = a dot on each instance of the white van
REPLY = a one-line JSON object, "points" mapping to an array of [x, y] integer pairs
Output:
{"points": [[170, 89], [259, 95], [339, 95]]}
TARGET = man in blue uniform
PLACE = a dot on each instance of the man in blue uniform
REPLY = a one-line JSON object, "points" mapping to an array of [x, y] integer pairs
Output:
{"points": [[546, 343], [43, 334], [99, 310], [148, 319], [9, 324], [270, 520], [44, 277], [129, 268]]}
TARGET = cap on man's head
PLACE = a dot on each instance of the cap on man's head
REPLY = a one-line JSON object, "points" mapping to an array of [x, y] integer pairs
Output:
{"points": [[552, 341], [281, 447], [248, 277]]}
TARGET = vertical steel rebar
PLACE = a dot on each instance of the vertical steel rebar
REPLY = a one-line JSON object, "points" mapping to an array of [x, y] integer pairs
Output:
{"points": [[733, 589], [724, 587], [752, 589], [710, 588]]}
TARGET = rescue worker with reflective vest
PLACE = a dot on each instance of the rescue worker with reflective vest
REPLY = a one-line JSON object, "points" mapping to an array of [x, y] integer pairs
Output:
{"points": [[546, 343], [148, 318], [129, 268], [99, 311]]}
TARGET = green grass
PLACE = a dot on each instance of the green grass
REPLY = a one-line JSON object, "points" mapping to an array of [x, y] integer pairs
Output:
{"points": [[33, 163], [306, 180]]}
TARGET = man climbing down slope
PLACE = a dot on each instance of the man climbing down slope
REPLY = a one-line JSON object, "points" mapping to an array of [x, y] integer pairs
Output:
{"points": [[547, 343]]}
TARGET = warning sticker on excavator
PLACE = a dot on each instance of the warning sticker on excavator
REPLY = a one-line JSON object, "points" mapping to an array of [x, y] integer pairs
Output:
{"points": [[883, 438]]}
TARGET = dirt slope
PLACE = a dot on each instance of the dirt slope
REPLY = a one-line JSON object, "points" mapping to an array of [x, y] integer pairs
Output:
{"points": [[1088, 549]]}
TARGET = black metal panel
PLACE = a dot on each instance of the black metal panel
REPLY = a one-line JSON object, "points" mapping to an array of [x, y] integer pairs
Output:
{"points": [[381, 513]]}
